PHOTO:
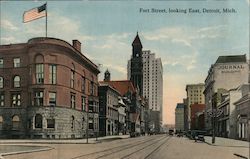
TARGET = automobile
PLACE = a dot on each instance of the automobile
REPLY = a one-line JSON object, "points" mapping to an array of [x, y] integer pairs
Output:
{"points": [[180, 134], [171, 132], [198, 135]]}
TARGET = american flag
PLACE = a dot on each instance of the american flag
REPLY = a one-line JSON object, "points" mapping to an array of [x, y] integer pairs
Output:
{"points": [[34, 13]]}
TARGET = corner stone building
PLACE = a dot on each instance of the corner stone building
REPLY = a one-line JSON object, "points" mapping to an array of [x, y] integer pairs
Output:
{"points": [[47, 86]]}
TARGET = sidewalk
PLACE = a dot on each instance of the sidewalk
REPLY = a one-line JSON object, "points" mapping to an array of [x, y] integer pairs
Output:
{"points": [[62, 141], [219, 141]]}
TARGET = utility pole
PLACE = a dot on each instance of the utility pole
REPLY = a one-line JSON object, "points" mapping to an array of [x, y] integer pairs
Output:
{"points": [[87, 128], [214, 115]]}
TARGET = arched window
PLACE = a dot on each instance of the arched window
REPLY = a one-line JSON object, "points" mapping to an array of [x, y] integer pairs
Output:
{"points": [[72, 122], [38, 121], [1, 82], [15, 122], [17, 81], [1, 122]]}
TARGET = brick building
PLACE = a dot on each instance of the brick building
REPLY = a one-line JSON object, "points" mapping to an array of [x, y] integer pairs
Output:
{"points": [[46, 87], [197, 116]]}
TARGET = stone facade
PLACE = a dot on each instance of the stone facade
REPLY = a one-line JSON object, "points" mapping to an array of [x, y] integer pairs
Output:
{"points": [[47, 80], [228, 72], [108, 108]]}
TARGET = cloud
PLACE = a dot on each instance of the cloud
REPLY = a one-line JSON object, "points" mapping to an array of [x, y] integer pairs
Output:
{"points": [[9, 40], [162, 34], [6, 24], [210, 32], [183, 41], [120, 69]]}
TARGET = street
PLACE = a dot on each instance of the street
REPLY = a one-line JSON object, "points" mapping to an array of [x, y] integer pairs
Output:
{"points": [[151, 147]]}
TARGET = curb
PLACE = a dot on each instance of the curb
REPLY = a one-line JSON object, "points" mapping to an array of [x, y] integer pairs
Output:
{"points": [[59, 142], [225, 145], [22, 152]]}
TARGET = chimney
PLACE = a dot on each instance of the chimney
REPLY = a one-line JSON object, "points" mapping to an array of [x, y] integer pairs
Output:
{"points": [[77, 45]]}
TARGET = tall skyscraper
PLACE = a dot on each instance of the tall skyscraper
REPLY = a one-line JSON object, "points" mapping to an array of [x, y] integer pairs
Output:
{"points": [[152, 80], [152, 86]]}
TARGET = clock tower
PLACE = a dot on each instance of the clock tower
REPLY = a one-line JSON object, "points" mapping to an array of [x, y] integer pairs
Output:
{"points": [[136, 68]]}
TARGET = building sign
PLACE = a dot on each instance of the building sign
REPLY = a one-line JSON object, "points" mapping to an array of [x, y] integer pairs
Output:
{"points": [[230, 68]]}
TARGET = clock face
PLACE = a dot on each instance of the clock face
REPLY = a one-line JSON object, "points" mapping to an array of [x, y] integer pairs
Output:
{"points": [[137, 55]]}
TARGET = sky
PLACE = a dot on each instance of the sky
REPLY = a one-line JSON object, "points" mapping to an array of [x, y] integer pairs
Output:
{"points": [[186, 43]]}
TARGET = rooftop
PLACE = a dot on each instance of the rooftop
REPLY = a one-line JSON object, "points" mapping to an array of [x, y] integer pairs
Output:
{"points": [[232, 58], [122, 86], [137, 40], [179, 105]]}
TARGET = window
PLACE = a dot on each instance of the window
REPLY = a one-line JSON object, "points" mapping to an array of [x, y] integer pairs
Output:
{"points": [[16, 99], [91, 123], [1, 82], [83, 103], [52, 74], [2, 100], [83, 84], [39, 74], [91, 104], [83, 119], [16, 62], [72, 122], [52, 98], [92, 88], [72, 78], [51, 123], [1, 63], [16, 82], [15, 122], [38, 98], [73, 101], [38, 121]]}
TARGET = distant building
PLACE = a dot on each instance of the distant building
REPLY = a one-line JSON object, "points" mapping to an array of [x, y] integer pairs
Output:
{"points": [[185, 102], [132, 100], [179, 117], [227, 73], [47, 86], [194, 96], [152, 87], [197, 116]]}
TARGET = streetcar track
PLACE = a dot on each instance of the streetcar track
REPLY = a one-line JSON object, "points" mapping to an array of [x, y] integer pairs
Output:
{"points": [[156, 149], [127, 148], [117, 148], [143, 148]]}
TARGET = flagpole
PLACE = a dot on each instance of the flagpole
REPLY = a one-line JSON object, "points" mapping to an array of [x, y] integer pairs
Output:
{"points": [[46, 26]]}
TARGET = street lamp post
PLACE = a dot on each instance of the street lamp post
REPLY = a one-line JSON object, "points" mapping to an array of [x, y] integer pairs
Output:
{"points": [[214, 115]]}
